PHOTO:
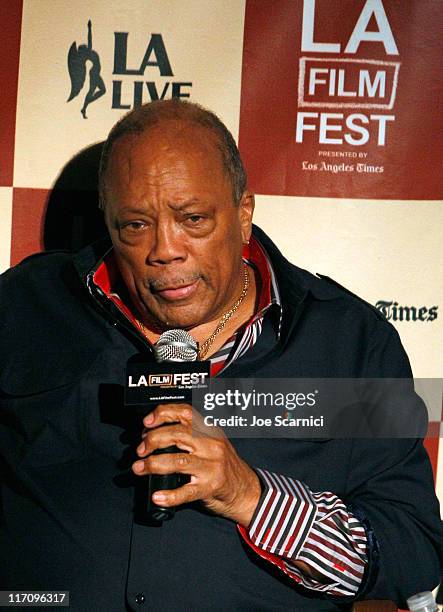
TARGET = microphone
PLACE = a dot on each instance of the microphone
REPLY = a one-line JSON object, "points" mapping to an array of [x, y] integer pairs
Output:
{"points": [[174, 345]]}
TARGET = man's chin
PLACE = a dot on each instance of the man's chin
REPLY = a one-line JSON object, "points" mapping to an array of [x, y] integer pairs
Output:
{"points": [[181, 324], [173, 320]]}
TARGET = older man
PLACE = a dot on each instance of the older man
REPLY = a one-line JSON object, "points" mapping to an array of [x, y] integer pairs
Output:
{"points": [[262, 524]]}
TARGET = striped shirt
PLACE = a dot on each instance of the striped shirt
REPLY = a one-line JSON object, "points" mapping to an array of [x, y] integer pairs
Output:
{"points": [[291, 522]]}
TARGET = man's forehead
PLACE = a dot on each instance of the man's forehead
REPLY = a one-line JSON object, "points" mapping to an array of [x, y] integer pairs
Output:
{"points": [[168, 136], [184, 152], [181, 163]]}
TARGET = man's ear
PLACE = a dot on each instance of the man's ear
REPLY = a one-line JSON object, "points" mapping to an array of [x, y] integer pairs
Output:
{"points": [[245, 213]]}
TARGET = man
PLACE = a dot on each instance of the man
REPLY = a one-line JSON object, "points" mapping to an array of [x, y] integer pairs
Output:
{"points": [[262, 524]]}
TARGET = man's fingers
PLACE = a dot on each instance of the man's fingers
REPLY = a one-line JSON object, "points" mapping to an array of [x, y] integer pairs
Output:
{"points": [[174, 435], [176, 497], [169, 413], [179, 413], [167, 463]]}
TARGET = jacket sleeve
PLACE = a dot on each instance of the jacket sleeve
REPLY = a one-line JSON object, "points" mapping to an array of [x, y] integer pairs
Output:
{"points": [[389, 515], [391, 486]]}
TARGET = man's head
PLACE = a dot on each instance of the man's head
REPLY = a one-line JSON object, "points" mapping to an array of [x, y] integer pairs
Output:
{"points": [[173, 190]]}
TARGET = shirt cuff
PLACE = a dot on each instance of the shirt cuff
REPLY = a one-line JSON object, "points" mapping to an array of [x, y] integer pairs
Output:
{"points": [[291, 523]]}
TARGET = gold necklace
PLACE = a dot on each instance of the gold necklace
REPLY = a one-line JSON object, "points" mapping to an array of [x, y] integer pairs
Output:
{"points": [[204, 348]]}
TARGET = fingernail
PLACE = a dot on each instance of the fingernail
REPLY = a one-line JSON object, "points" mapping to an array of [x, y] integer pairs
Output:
{"points": [[148, 419], [141, 448], [138, 466], [159, 497]]}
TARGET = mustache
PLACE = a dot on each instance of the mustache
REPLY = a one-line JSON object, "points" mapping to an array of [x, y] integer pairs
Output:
{"points": [[158, 284]]}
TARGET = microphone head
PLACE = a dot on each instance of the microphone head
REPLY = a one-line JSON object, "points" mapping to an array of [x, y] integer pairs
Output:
{"points": [[176, 345]]}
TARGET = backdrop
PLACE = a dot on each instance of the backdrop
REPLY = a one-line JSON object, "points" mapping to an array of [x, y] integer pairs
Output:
{"points": [[335, 104]]}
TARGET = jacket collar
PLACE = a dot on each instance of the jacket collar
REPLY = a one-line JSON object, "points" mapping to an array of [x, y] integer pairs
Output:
{"points": [[294, 282], [89, 258]]}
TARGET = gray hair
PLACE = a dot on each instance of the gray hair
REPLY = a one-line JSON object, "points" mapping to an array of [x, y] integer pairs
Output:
{"points": [[142, 118]]}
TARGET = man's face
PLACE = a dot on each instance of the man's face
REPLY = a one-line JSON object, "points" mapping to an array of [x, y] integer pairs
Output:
{"points": [[177, 234]]}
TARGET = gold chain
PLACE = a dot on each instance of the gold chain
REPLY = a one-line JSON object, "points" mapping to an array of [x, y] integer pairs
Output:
{"points": [[204, 348]]}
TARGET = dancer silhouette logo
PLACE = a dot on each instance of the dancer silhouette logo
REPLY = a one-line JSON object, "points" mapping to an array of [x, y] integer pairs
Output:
{"points": [[77, 66], [128, 89]]}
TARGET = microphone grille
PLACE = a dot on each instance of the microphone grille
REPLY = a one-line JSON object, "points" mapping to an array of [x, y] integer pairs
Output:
{"points": [[176, 345]]}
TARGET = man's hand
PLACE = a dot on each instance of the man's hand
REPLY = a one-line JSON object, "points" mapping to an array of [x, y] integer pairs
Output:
{"points": [[219, 477]]}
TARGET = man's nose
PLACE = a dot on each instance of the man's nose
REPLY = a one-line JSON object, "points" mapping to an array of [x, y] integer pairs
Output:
{"points": [[167, 245]]}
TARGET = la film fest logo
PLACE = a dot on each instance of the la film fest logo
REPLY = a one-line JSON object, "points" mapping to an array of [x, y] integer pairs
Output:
{"points": [[330, 87], [393, 311], [127, 91]]}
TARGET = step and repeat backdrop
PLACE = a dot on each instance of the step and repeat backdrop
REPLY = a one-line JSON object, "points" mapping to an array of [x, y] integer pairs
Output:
{"points": [[336, 105]]}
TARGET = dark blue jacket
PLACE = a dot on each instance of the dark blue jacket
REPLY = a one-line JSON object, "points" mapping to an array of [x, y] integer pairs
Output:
{"points": [[71, 510]]}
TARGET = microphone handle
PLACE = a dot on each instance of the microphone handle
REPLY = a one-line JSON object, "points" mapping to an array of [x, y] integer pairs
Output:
{"points": [[160, 482]]}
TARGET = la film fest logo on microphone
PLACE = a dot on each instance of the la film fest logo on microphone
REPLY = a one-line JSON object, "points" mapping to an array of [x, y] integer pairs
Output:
{"points": [[172, 379], [349, 99], [150, 78]]}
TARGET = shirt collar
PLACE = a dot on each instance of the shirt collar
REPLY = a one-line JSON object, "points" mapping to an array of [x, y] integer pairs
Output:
{"points": [[255, 255]]}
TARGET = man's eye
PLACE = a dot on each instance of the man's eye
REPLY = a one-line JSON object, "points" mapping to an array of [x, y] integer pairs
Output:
{"points": [[133, 225], [194, 219]]}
